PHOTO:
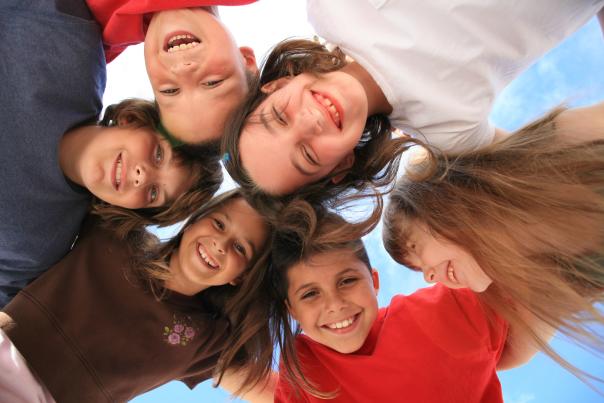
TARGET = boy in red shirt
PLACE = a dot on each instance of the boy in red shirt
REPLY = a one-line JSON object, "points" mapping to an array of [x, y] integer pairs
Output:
{"points": [[436, 345], [197, 72]]}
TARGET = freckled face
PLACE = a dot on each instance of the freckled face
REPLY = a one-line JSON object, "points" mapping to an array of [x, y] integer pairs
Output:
{"points": [[133, 168], [442, 261], [218, 248], [333, 298], [197, 72], [309, 126]]}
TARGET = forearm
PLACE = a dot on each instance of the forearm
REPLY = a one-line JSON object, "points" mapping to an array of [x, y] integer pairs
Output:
{"points": [[581, 124], [262, 392]]}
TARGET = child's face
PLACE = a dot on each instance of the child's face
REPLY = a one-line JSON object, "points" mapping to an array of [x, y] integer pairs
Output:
{"points": [[217, 248], [197, 72], [443, 262], [333, 298], [132, 168], [309, 126]]}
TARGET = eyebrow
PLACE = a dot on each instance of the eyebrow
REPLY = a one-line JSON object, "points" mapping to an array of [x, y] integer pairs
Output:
{"points": [[340, 273]]}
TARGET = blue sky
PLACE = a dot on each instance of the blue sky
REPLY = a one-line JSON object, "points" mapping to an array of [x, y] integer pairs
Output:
{"points": [[572, 73]]}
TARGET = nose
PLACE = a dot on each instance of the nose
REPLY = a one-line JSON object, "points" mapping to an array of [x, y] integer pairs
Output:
{"points": [[429, 275], [184, 67], [140, 175], [219, 245], [309, 122], [334, 302]]}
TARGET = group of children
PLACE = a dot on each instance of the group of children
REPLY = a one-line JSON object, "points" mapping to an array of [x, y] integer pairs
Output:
{"points": [[271, 265]]}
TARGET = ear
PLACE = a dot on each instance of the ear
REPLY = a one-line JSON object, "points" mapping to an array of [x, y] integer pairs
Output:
{"points": [[342, 166], [291, 311], [376, 280], [249, 58], [235, 282], [274, 85]]}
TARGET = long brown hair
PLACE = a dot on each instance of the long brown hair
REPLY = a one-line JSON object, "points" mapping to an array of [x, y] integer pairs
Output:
{"points": [[304, 231], [377, 155], [249, 343], [203, 161], [530, 209]]}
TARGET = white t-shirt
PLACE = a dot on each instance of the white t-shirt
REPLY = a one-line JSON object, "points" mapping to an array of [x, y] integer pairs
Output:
{"points": [[441, 63]]}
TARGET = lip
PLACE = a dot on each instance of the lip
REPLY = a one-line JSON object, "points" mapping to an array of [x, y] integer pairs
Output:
{"points": [[346, 330], [172, 34], [451, 273], [114, 183], [335, 103], [201, 247]]}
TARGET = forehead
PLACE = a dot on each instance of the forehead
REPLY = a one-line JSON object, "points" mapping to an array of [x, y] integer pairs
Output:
{"points": [[325, 266], [244, 219]]}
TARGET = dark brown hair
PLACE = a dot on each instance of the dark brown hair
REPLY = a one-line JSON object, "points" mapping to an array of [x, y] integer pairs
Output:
{"points": [[202, 160], [377, 155], [249, 343], [303, 232], [530, 210]]}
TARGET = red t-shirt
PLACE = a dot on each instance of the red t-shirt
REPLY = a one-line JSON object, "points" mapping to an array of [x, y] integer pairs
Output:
{"points": [[436, 345], [122, 20]]}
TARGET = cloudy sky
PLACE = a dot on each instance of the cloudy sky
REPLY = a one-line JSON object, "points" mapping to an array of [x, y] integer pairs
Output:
{"points": [[571, 73]]}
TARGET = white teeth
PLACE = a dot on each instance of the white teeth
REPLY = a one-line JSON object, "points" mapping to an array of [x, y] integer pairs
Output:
{"points": [[118, 171], [192, 42], [206, 258], [342, 324], [451, 274]]}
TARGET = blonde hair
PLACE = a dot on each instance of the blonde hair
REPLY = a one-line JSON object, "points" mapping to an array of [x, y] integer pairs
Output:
{"points": [[530, 209]]}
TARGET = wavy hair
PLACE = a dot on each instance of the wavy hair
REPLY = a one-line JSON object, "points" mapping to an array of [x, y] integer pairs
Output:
{"points": [[377, 155], [202, 160], [530, 210], [304, 231], [246, 305]]}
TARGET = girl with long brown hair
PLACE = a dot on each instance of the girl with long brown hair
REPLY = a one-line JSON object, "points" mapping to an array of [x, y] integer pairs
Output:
{"points": [[520, 222], [122, 318]]}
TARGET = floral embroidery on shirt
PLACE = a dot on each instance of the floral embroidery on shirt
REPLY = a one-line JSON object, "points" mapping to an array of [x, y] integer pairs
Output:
{"points": [[181, 332]]}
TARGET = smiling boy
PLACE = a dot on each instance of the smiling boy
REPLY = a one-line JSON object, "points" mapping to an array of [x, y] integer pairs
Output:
{"points": [[197, 72], [435, 345]]}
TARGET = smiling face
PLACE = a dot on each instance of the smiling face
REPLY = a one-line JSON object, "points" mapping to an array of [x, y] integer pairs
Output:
{"points": [[442, 261], [217, 248], [197, 72], [333, 298], [132, 168], [309, 125]]}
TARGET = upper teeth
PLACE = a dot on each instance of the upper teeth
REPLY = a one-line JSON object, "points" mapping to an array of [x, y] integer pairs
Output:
{"points": [[191, 43], [342, 324], [451, 273], [118, 171], [206, 258], [331, 108]]}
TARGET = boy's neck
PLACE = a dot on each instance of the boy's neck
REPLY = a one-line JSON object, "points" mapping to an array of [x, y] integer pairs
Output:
{"points": [[377, 102], [71, 149]]}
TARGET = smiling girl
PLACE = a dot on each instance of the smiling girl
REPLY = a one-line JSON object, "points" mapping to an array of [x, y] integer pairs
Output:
{"points": [[188, 309], [324, 119], [520, 222]]}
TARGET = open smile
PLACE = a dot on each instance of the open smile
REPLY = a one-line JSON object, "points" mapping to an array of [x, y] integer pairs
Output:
{"points": [[180, 41], [346, 325], [330, 106], [117, 173], [451, 273], [206, 258]]}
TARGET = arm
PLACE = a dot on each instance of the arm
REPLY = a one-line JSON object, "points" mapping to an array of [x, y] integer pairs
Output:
{"points": [[262, 392], [520, 346], [582, 124], [500, 134]]}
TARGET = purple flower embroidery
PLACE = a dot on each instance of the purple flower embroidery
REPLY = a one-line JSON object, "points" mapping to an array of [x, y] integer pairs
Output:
{"points": [[174, 338], [189, 332], [181, 332]]}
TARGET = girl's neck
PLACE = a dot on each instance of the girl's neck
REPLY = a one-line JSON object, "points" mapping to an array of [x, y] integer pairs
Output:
{"points": [[377, 102], [176, 282]]}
